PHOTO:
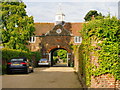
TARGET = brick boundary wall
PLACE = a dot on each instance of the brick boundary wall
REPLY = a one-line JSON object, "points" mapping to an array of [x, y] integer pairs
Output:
{"points": [[104, 81], [82, 82]]}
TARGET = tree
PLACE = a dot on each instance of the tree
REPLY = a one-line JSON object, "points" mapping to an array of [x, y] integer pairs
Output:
{"points": [[89, 15], [16, 26], [60, 54]]}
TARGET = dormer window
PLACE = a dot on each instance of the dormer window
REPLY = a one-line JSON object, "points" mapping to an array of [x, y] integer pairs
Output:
{"points": [[32, 39], [77, 39]]}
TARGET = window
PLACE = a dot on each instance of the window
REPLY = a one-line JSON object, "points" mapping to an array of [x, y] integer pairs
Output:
{"points": [[78, 39], [32, 39]]}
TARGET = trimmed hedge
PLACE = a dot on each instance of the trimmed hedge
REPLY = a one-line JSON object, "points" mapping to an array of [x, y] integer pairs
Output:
{"points": [[7, 54]]}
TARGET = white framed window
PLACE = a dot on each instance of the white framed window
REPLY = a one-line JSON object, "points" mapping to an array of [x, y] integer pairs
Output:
{"points": [[32, 39], [77, 39]]}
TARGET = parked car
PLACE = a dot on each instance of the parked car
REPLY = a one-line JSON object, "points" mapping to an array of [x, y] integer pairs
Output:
{"points": [[43, 61], [20, 65]]}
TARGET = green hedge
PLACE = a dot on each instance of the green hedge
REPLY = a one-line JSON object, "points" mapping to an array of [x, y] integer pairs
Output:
{"points": [[106, 33], [7, 54]]}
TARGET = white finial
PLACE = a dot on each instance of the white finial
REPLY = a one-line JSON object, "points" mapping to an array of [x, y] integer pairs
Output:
{"points": [[59, 11], [59, 18]]}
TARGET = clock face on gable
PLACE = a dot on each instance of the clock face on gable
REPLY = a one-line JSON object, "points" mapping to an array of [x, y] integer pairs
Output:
{"points": [[58, 31]]}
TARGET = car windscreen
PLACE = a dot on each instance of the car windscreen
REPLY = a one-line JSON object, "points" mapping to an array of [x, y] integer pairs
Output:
{"points": [[43, 59], [12, 60]]}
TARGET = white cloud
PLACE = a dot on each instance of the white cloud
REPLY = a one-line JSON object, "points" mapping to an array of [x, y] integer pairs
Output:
{"points": [[74, 11], [71, 0]]}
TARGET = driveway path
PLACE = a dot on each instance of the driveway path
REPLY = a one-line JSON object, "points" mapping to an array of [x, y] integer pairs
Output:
{"points": [[43, 77]]}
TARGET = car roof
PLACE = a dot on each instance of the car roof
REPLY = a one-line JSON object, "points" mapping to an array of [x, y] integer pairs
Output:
{"points": [[24, 58]]}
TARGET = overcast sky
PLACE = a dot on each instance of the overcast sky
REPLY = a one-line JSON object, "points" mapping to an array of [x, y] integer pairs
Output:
{"points": [[75, 10]]}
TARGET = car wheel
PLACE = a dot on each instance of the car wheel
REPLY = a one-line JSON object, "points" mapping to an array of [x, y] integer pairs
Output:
{"points": [[8, 72], [32, 70], [27, 71]]}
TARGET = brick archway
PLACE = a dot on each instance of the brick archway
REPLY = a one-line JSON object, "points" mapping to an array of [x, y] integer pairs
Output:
{"points": [[58, 47], [53, 40], [51, 54]]}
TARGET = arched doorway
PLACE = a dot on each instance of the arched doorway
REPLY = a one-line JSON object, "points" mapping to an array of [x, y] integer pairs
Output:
{"points": [[59, 57]]}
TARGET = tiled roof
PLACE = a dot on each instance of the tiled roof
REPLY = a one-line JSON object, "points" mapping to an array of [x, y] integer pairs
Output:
{"points": [[43, 28], [74, 28]]}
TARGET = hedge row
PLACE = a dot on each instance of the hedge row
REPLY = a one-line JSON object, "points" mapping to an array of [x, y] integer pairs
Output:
{"points": [[7, 54]]}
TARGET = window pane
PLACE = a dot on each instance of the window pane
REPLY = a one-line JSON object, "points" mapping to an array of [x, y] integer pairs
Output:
{"points": [[77, 39], [32, 39]]}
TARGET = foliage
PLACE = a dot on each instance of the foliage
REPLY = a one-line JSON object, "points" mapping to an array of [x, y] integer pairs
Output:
{"points": [[60, 54], [16, 26], [89, 15], [37, 55], [101, 38], [75, 49], [7, 54]]}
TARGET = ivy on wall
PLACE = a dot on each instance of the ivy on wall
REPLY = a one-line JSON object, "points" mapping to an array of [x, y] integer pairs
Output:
{"points": [[101, 39]]}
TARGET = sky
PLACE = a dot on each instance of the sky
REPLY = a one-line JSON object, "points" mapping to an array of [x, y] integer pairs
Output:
{"points": [[74, 10]]}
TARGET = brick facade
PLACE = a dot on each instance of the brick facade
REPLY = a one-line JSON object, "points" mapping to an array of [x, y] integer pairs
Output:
{"points": [[48, 39], [46, 36], [104, 81]]}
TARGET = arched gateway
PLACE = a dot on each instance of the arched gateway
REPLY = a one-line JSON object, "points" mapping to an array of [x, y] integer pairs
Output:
{"points": [[53, 36], [57, 48], [57, 38]]}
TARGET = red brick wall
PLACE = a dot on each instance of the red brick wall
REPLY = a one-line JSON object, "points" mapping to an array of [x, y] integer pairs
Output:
{"points": [[104, 81], [117, 84]]}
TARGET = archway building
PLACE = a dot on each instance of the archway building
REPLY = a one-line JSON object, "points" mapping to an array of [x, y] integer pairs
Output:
{"points": [[58, 35]]}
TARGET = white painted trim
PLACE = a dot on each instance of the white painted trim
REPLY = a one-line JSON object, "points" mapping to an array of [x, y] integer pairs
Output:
{"points": [[50, 58], [67, 59], [32, 40], [77, 39]]}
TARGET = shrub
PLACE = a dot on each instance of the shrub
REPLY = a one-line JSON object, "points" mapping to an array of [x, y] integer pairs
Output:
{"points": [[7, 54]]}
